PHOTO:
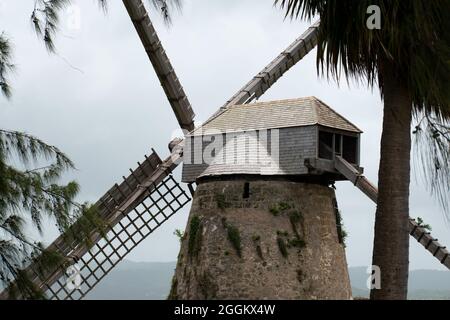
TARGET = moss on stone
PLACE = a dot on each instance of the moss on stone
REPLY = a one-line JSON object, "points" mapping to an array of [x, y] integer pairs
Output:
{"points": [[282, 246], [279, 208], [297, 243], [224, 222], [259, 252], [283, 206], [221, 201], [295, 218], [282, 233], [300, 275], [235, 239], [195, 236], [256, 238], [274, 211], [342, 233], [179, 234]]}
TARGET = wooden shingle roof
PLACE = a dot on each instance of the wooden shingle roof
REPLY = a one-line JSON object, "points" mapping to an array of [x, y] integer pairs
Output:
{"points": [[276, 114]]}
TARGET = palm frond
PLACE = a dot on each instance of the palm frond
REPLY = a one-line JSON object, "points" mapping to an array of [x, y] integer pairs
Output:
{"points": [[413, 35]]}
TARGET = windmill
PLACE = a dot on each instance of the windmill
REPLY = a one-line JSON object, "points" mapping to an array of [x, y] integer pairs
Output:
{"points": [[150, 195]]}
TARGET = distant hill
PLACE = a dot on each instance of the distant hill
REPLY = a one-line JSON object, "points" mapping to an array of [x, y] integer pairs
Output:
{"points": [[135, 281], [151, 281], [423, 284]]}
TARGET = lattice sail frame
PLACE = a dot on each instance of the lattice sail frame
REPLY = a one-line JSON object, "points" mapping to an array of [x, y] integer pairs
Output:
{"points": [[161, 204], [131, 211]]}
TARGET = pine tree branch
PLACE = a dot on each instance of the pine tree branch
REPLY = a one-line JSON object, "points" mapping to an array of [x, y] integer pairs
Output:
{"points": [[28, 148], [21, 239]]}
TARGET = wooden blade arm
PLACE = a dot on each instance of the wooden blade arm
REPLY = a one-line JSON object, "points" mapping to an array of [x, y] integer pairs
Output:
{"points": [[161, 63], [277, 68]]}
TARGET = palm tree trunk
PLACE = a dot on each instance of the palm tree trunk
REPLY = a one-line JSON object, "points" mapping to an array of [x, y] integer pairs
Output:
{"points": [[391, 243]]}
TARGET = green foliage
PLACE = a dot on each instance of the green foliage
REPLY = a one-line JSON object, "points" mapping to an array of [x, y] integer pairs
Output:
{"points": [[282, 233], [6, 65], [256, 238], [45, 20], [195, 236], [85, 221], [282, 246], [300, 275], [283, 239], [221, 201], [413, 35], [179, 234], [274, 211], [279, 208], [224, 222], [295, 218], [422, 224], [45, 16], [235, 239], [342, 233], [29, 195], [285, 242], [259, 252], [296, 243], [432, 157], [165, 7]]}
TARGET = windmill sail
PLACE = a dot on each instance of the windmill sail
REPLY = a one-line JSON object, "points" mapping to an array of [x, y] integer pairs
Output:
{"points": [[147, 198], [418, 232], [277, 68], [161, 63]]}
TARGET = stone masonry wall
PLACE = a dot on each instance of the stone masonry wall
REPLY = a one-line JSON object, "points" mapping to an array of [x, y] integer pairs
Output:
{"points": [[279, 243]]}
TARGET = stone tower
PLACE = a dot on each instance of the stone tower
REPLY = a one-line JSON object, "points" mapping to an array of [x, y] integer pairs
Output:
{"points": [[263, 224]]}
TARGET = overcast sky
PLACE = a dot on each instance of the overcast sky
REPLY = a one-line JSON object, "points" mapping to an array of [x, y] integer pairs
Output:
{"points": [[99, 100]]}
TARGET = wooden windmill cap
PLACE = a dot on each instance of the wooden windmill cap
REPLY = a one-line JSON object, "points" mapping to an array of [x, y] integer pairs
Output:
{"points": [[276, 114]]}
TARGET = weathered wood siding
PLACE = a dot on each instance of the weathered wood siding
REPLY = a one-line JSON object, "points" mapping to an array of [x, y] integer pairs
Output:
{"points": [[254, 152]]}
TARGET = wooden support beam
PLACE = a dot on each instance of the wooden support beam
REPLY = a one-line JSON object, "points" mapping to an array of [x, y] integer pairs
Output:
{"points": [[352, 174], [418, 232]]}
